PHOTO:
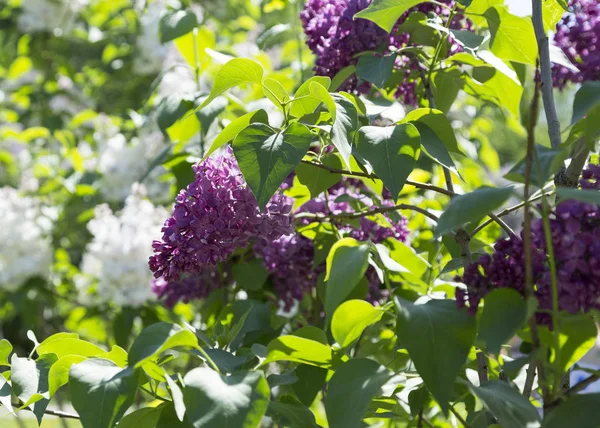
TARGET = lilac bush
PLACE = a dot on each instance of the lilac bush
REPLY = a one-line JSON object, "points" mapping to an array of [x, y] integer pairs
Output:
{"points": [[578, 35]]}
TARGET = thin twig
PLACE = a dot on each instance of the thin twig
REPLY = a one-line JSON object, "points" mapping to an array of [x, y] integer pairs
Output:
{"points": [[459, 417], [361, 214], [57, 413], [528, 387], [529, 286], [482, 373], [569, 177], [417, 184], [507, 211], [546, 74], [580, 386]]}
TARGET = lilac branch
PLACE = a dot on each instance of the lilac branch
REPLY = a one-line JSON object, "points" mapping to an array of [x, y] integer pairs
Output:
{"points": [[546, 74]]}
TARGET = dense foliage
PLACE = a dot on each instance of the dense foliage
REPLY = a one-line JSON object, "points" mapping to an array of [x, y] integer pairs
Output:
{"points": [[331, 213]]}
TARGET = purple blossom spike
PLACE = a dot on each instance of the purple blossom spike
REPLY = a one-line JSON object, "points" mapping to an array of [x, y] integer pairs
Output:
{"points": [[578, 35], [213, 217]]}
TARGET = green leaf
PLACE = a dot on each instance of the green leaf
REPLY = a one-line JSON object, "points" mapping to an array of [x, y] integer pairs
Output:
{"points": [[344, 126], [101, 392], [234, 128], [350, 390], [321, 93], [385, 13], [577, 336], [438, 123], [207, 115], [5, 350], [490, 84], [176, 24], [266, 157], [511, 409], [350, 320], [578, 411], [504, 313], [583, 195], [299, 350], [205, 39], [447, 85], [376, 69], [250, 275], [171, 109], [168, 418], [275, 91], [310, 382], [69, 346], [319, 179], [146, 417], [304, 104], [5, 394], [513, 38], [552, 12], [341, 77], [406, 257], [226, 361], [59, 372], [477, 8], [287, 412], [346, 264], [392, 151], [470, 207], [549, 161], [157, 338], [117, 355], [587, 98], [236, 72], [417, 399], [176, 396], [213, 400], [30, 381], [441, 346]]}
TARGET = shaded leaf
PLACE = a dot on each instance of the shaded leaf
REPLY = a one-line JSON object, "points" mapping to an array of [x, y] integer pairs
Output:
{"points": [[213, 400], [350, 390], [101, 392], [444, 339], [511, 409], [157, 338], [392, 151], [470, 207]]}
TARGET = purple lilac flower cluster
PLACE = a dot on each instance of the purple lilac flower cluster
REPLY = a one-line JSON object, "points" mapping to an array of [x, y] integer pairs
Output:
{"points": [[289, 259], [578, 35], [576, 244], [189, 287], [335, 37], [213, 217]]}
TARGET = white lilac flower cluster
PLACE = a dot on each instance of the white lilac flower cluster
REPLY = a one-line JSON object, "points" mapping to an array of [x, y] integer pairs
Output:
{"points": [[25, 248], [150, 52], [115, 264], [123, 163], [48, 15]]}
